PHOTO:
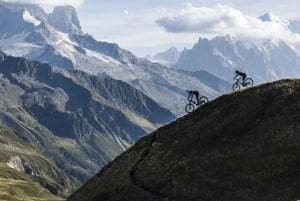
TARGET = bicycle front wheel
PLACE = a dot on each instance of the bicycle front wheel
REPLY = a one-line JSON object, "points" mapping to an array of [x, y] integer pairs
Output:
{"points": [[248, 82], [189, 108], [235, 86], [203, 100]]}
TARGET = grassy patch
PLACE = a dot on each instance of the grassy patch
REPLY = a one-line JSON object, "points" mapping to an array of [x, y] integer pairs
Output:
{"points": [[14, 190]]}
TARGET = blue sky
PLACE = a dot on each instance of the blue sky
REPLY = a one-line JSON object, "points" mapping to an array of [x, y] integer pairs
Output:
{"points": [[151, 26]]}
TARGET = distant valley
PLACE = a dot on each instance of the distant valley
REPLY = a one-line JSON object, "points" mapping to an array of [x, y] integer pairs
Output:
{"points": [[26, 173], [78, 121]]}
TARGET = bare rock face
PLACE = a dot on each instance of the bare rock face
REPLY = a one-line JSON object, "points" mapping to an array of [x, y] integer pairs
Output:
{"points": [[65, 19], [243, 146]]}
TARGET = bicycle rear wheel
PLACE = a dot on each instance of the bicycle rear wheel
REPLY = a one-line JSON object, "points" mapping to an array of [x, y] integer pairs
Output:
{"points": [[189, 108]]}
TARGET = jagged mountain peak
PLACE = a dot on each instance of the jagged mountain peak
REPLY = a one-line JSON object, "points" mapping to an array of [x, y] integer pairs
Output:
{"points": [[173, 49], [24, 17], [65, 19], [267, 17], [167, 58], [241, 146], [36, 40], [34, 9], [270, 17], [265, 60]]}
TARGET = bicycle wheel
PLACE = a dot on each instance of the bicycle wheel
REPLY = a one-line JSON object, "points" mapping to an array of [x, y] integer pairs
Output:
{"points": [[189, 108], [248, 82], [235, 86], [203, 100]]}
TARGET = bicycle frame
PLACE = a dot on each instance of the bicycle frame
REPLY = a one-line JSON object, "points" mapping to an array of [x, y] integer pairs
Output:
{"points": [[239, 81], [197, 102], [194, 102]]}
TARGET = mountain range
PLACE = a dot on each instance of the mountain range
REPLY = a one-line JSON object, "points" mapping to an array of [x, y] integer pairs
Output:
{"points": [[221, 56], [77, 103], [57, 39], [78, 121], [241, 146], [263, 59]]}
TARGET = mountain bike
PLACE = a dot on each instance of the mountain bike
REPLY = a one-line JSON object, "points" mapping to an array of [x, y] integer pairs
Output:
{"points": [[193, 104], [239, 83]]}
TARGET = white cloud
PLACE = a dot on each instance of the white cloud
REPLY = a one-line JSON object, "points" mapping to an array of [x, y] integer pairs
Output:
{"points": [[75, 3], [126, 12], [221, 20]]}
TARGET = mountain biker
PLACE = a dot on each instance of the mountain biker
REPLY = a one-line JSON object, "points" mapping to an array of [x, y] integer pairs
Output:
{"points": [[192, 93], [242, 75]]}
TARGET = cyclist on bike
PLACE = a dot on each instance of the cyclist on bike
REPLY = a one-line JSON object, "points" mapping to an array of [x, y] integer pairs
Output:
{"points": [[191, 95], [242, 75]]}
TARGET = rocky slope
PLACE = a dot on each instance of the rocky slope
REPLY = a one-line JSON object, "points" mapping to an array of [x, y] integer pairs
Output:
{"points": [[26, 174], [242, 146], [80, 121]]}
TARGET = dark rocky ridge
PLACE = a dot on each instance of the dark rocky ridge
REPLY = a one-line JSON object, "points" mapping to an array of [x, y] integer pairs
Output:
{"points": [[242, 146]]}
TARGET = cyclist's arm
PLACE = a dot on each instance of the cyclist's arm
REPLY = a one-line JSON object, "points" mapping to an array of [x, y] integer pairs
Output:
{"points": [[189, 97]]}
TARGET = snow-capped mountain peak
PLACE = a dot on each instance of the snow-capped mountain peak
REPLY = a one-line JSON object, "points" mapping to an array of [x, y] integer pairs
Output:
{"points": [[59, 40], [270, 17], [167, 58], [65, 19], [264, 61], [19, 18], [35, 10]]}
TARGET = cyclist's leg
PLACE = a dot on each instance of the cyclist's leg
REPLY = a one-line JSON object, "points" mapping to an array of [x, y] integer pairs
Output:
{"points": [[243, 79], [190, 96], [197, 95]]}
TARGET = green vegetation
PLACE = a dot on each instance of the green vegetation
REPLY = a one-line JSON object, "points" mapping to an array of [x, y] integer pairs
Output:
{"points": [[26, 174], [16, 189]]}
